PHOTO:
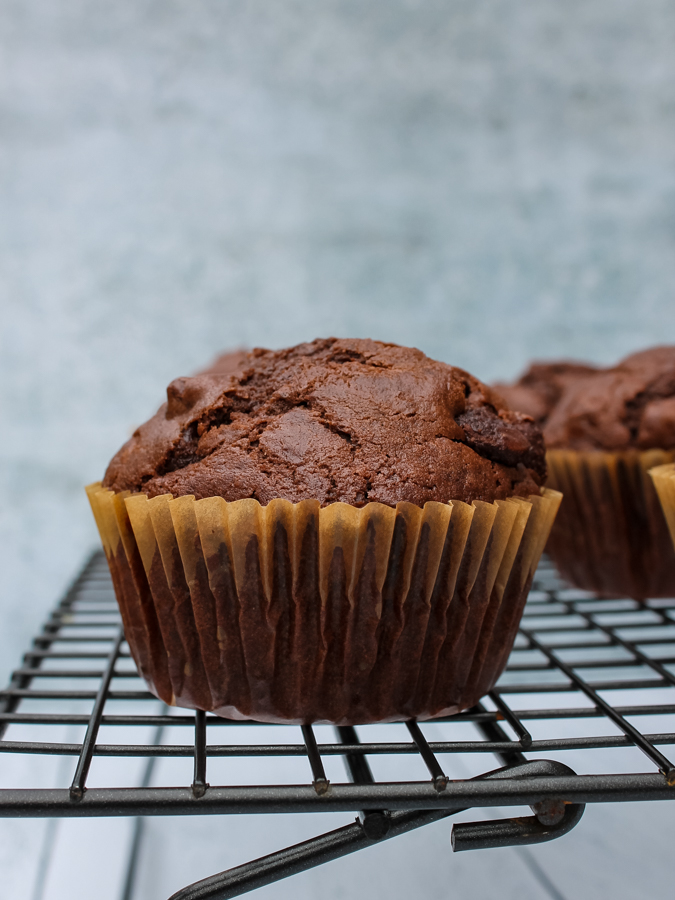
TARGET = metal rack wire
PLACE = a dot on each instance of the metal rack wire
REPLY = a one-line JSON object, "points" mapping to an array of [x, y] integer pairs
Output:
{"points": [[574, 656]]}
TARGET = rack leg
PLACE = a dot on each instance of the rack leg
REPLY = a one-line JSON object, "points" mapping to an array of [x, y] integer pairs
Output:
{"points": [[300, 857], [350, 838]]}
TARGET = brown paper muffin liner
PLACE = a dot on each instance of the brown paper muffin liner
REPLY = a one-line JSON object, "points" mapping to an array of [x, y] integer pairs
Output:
{"points": [[610, 535], [297, 613], [664, 481]]}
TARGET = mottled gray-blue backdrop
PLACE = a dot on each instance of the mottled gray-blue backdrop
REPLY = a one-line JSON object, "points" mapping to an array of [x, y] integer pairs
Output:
{"points": [[487, 180]]}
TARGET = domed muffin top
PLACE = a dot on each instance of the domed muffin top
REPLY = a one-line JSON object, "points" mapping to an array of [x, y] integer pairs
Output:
{"points": [[335, 420], [631, 405]]}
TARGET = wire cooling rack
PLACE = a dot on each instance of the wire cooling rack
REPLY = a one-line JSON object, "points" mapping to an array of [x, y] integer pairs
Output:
{"points": [[583, 676]]}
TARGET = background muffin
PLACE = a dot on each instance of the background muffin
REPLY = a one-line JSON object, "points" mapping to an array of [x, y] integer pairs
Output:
{"points": [[630, 406], [541, 386], [607, 428], [366, 528]]}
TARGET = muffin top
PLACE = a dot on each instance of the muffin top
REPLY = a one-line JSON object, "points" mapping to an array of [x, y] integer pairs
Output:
{"points": [[541, 386], [335, 420], [631, 405]]}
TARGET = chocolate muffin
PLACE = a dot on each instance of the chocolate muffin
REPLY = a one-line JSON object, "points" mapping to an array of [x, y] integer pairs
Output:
{"points": [[630, 406], [351, 421], [344, 531], [539, 389], [606, 431]]}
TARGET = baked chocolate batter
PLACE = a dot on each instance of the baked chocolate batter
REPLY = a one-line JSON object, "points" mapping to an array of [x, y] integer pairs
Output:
{"points": [[630, 406], [540, 387], [337, 420]]}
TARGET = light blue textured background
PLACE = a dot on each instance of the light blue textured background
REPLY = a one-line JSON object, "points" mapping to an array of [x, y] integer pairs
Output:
{"points": [[487, 180]]}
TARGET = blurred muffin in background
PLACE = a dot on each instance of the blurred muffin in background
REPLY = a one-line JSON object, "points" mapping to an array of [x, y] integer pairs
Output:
{"points": [[630, 406], [604, 429], [541, 386]]}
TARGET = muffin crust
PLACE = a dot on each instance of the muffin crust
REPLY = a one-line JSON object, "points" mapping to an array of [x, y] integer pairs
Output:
{"points": [[541, 386], [630, 406], [336, 420]]}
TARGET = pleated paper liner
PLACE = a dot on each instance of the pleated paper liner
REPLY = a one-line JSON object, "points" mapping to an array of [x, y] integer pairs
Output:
{"points": [[610, 535], [664, 481], [297, 613]]}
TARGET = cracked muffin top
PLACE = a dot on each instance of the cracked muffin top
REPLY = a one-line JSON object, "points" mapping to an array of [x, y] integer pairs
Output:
{"points": [[631, 405], [334, 420]]}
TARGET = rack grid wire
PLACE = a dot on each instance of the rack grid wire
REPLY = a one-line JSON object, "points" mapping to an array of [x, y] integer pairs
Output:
{"points": [[574, 656]]}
